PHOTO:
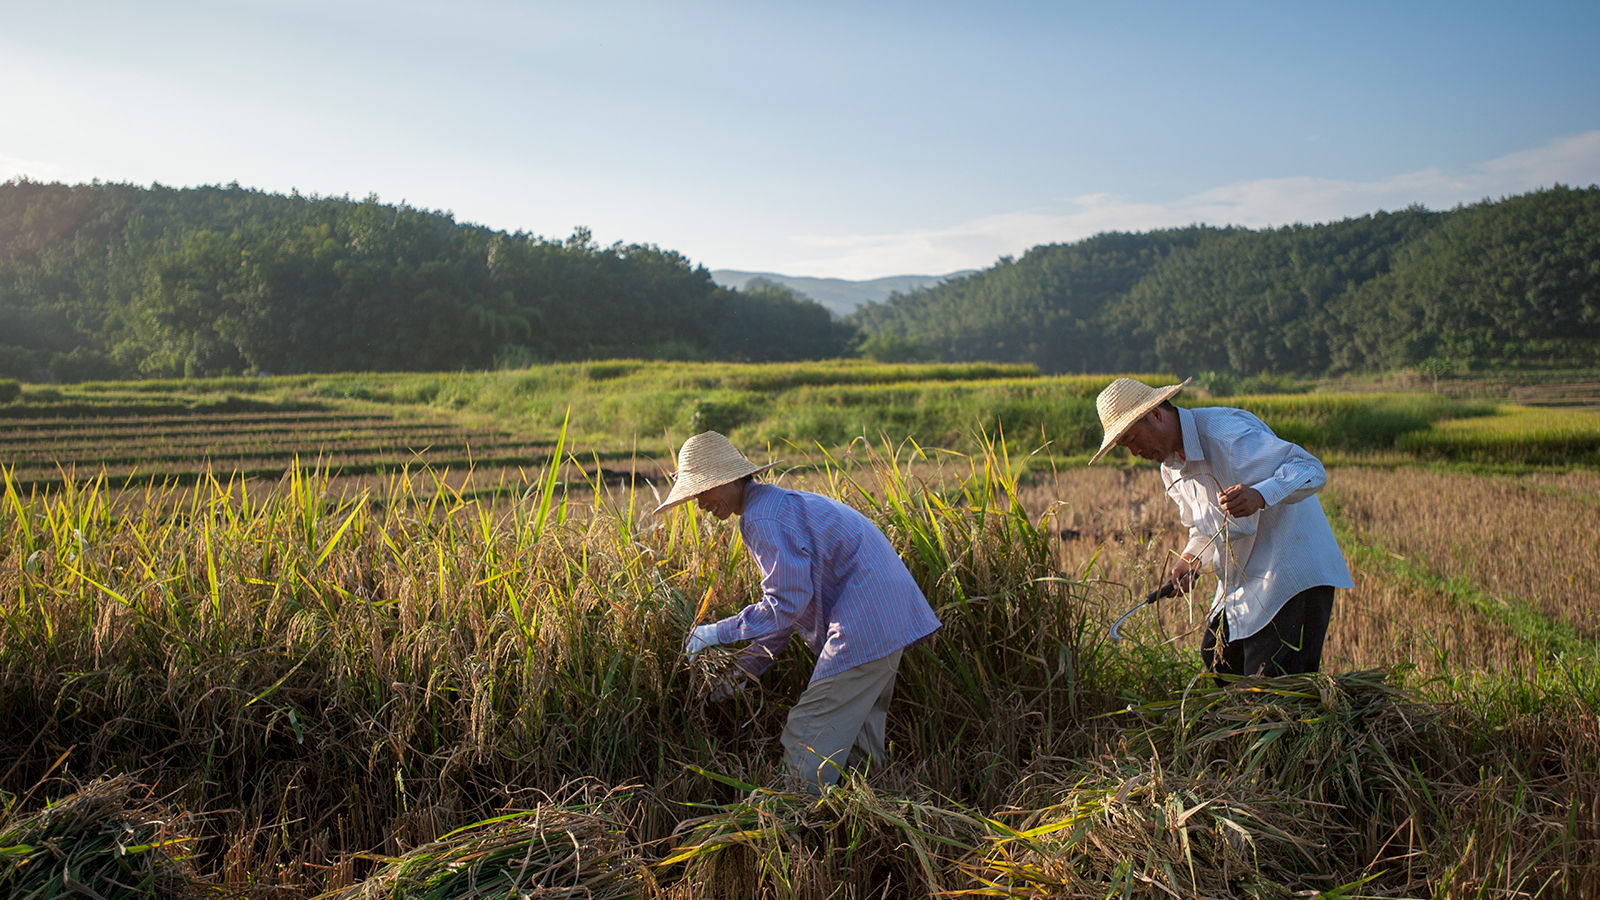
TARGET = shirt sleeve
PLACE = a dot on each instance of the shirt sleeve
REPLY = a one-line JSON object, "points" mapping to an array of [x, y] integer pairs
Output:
{"points": [[780, 549], [1197, 541], [1297, 475]]}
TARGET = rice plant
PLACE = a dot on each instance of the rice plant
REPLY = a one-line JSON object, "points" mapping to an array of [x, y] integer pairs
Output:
{"points": [[1514, 434], [343, 691]]}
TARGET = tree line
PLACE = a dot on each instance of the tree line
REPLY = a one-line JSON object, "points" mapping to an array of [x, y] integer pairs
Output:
{"points": [[1509, 283], [114, 281]]}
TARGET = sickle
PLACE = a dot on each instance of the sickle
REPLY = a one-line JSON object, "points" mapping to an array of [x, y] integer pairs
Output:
{"points": [[1166, 590]]}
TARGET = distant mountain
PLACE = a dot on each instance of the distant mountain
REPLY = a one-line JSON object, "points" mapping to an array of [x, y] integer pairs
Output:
{"points": [[841, 297]]}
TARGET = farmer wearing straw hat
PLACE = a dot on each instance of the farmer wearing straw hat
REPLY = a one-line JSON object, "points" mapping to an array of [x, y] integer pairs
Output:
{"points": [[1249, 501], [828, 574]]}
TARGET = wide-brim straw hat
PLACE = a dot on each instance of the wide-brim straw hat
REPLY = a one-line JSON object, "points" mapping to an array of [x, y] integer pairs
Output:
{"points": [[705, 461], [1124, 402]]}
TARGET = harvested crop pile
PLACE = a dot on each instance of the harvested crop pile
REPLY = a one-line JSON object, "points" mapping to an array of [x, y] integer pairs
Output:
{"points": [[107, 840], [853, 842], [1304, 785], [549, 852]]}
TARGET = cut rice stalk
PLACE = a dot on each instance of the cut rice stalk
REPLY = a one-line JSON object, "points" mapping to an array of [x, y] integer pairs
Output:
{"points": [[105, 840], [549, 851]]}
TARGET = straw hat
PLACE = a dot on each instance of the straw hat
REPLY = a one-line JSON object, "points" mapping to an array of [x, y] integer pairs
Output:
{"points": [[705, 461], [1124, 402]]}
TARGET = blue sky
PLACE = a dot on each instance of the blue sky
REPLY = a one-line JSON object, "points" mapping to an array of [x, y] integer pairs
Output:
{"points": [[850, 140]]}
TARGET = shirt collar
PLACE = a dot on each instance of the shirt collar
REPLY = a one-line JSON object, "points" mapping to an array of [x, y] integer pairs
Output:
{"points": [[1191, 436], [755, 495]]}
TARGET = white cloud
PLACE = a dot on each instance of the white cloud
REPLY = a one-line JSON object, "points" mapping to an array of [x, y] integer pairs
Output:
{"points": [[1573, 160], [11, 167]]}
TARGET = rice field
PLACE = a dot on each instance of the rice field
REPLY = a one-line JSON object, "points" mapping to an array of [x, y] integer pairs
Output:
{"points": [[1455, 572], [410, 692], [384, 649], [182, 448], [641, 410], [1514, 434]]}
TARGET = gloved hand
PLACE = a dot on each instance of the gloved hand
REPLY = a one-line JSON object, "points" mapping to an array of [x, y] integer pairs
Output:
{"points": [[700, 638], [727, 687]]}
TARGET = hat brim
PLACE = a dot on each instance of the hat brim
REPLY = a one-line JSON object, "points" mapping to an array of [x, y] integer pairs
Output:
{"points": [[1139, 412], [686, 489]]}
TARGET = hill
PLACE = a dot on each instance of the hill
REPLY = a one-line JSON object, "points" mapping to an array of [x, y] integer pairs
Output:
{"points": [[1502, 284], [840, 296], [114, 280], [102, 281]]}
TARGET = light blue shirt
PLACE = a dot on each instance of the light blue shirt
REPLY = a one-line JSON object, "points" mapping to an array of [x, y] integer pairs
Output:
{"points": [[828, 574], [1263, 559]]}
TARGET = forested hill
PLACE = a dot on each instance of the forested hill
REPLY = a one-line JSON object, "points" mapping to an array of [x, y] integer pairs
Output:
{"points": [[113, 280], [1513, 282]]}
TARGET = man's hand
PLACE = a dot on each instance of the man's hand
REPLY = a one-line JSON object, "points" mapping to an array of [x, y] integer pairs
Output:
{"points": [[728, 686], [1240, 501], [1182, 573], [700, 638]]}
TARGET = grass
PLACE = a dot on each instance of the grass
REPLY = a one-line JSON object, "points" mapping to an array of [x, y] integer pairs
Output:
{"points": [[334, 685], [1514, 434], [1354, 421], [646, 408]]}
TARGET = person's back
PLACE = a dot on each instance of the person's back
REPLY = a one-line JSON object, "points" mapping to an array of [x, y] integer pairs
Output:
{"points": [[860, 602]]}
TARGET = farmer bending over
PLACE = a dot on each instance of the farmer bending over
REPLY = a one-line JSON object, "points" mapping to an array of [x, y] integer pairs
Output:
{"points": [[827, 573], [1249, 501]]}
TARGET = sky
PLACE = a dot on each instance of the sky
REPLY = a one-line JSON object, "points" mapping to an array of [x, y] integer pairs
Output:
{"points": [[830, 139]]}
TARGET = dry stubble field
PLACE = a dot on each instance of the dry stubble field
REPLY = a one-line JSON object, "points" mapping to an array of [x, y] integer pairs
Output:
{"points": [[1528, 545]]}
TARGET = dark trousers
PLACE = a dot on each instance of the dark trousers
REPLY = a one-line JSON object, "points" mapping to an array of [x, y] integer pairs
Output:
{"points": [[1289, 644]]}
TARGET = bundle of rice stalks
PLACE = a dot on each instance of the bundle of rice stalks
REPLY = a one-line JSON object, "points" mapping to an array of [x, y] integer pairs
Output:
{"points": [[853, 842], [713, 669], [1254, 787], [547, 852], [108, 840], [1146, 831], [1336, 739]]}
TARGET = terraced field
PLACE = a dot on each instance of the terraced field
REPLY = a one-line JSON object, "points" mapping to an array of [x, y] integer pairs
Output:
{"points": [[1579, 394], [178, 446], [333, 682]]}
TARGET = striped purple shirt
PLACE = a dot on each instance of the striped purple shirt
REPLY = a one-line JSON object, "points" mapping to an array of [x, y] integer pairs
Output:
{"points": [[829, 574]]}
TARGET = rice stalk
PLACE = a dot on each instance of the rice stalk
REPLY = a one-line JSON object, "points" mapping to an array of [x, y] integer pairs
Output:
{"points": [[550, 851], [853, 841], [338, 678], [1153, 831], [104, 840]]}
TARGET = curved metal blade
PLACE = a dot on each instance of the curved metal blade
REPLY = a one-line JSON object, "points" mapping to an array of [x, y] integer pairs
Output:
{"points": [[1166, 590], [1116, 627]]}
